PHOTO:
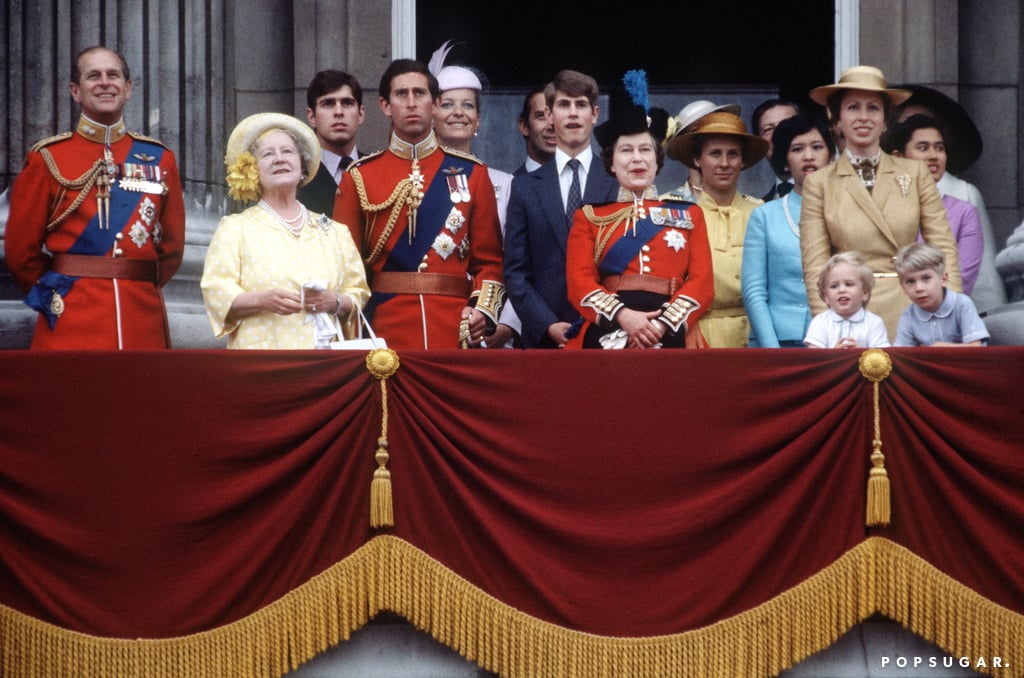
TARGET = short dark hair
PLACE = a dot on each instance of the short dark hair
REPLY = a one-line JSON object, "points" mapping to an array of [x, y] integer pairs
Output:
{"points": [[401, 67], [903, 132], [764, 106], [573, 83], [789, 129], [608, 153], [835, 101], [332, 80], [76, 69], [524, 115]]}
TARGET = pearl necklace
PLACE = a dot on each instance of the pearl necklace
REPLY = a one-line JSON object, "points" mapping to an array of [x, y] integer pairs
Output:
{"points": [[789, 217], [295, 224]]}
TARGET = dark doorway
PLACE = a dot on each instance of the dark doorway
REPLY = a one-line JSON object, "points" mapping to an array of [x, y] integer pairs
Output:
{"points": [[783, 45]]}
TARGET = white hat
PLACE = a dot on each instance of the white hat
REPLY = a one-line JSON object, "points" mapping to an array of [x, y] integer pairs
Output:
{"points": [[451, 77], [695, 110], [457, 77]]}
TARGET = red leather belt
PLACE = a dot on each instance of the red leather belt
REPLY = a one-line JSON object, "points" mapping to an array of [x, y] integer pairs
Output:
{"points": [[631, 282], [84, 266], [396, 282]]}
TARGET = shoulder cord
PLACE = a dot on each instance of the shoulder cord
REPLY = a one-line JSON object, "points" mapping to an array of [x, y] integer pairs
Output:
{"points": [[82, 184], [605, 226], [404, 193]]}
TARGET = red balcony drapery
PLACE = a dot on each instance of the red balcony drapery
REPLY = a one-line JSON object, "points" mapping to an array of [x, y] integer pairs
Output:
{"points": [[628, 496]]}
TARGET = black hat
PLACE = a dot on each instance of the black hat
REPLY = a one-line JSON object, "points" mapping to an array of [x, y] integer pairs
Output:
{"points": [[630, 112], [963, 140]]}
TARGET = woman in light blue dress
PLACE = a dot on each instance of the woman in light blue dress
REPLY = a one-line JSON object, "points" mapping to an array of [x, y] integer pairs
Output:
{"points": [[772, 275]]}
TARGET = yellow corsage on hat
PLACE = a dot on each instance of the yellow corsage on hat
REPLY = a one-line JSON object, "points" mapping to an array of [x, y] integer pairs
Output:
{"points": [[244, 178], [243, 175]]}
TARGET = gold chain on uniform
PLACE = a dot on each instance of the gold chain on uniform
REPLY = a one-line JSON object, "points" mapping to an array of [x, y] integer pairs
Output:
{"points": [[82, 184], [606, 226], [405, 191]]}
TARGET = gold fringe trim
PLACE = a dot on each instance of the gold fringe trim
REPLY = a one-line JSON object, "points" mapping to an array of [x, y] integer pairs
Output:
{"points": [[388, 573], [382, 363], [875, 366]]}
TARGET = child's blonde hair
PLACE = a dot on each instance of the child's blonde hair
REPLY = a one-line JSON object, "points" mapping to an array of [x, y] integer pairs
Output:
{"points": [[918, 256], [867, 276]]}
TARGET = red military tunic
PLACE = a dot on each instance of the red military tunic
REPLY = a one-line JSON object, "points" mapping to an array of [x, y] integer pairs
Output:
{"points": [[672, 262], [425, 266], [146, 226]]}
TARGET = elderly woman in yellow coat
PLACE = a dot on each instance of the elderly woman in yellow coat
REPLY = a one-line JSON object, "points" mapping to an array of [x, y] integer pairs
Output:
{"points": [[278, 276], [868, 201], [719, 146]]}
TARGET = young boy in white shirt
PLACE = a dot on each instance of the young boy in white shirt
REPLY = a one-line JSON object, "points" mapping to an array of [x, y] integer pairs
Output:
{"points": [[845, 284]]}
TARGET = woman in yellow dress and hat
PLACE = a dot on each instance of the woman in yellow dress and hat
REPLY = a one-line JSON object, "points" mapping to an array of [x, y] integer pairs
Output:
{"points": [[868, 201], [720, 147], [277, 275]]}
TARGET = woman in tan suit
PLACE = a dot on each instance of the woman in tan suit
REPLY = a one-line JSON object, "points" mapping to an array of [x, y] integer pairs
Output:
{"points": [[868, 201]]}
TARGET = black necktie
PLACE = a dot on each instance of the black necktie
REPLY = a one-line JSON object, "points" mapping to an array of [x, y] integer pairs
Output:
{"points": [[575, 199], [345, 162]]}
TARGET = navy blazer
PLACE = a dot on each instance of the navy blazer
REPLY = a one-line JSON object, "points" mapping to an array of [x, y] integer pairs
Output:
{"points": [[318, 195], [536, 233]]}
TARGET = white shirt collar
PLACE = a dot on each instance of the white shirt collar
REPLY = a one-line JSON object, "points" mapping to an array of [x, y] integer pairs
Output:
{"points": [[562, 159]]}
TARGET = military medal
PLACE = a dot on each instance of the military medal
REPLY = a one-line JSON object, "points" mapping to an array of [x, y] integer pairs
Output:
{"points": [[454, 221], [444, 245], [142, 178], [672, 217], [458, 187], [56, 304]]}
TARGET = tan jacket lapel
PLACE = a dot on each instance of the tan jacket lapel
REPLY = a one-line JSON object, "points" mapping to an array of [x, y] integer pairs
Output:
{"points": [[871, 203]]}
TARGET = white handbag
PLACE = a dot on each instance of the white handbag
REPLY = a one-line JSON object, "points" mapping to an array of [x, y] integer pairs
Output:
{"points": [[360, 343]]}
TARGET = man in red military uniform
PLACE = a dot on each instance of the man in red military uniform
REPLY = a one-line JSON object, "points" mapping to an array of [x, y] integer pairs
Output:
{"points": [[426, 221], [97, 222]]}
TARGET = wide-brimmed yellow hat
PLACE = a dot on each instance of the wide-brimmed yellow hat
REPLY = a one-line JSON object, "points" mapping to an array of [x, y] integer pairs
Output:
{"points": [[246, 133], [864, 78], [719, 123]]}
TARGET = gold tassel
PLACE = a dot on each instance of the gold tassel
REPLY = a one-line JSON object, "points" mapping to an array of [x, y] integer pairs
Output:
{"points": [[878, 510], [382, 363], [875, 365], [382, 512]]}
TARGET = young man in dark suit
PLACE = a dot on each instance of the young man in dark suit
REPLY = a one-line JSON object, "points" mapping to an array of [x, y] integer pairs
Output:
{"points": [[541, 209], [335, 111]]}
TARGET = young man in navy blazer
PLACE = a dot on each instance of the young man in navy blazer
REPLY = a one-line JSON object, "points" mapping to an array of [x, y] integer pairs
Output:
{"points": [[540, 214]]}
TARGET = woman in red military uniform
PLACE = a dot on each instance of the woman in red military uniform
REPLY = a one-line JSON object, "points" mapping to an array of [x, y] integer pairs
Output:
{"points": [[639, 269]]}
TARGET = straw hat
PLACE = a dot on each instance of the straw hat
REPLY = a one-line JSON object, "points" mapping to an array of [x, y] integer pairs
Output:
{"points": [[247, 132], [863, 78], [719, 123], [691, 113]]}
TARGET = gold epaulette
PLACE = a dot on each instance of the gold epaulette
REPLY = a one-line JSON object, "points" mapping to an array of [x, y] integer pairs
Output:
{"points": [[51, 140], [463, 155], [143, 137], [369, 156], [672, 197]]}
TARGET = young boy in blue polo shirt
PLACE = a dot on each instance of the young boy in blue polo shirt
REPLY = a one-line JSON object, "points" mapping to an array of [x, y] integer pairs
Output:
{"points": [[939, 316]]}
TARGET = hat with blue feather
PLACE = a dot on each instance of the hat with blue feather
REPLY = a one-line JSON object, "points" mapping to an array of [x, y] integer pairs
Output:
{"points": [[631, 112]]}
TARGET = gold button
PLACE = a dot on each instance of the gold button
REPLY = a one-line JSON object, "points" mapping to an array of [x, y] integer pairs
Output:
{"points": [[118, 252]]}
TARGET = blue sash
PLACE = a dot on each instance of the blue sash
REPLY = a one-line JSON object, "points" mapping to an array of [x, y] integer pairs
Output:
{"points": [[430, 219], [618, 256], [94, 241]]}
